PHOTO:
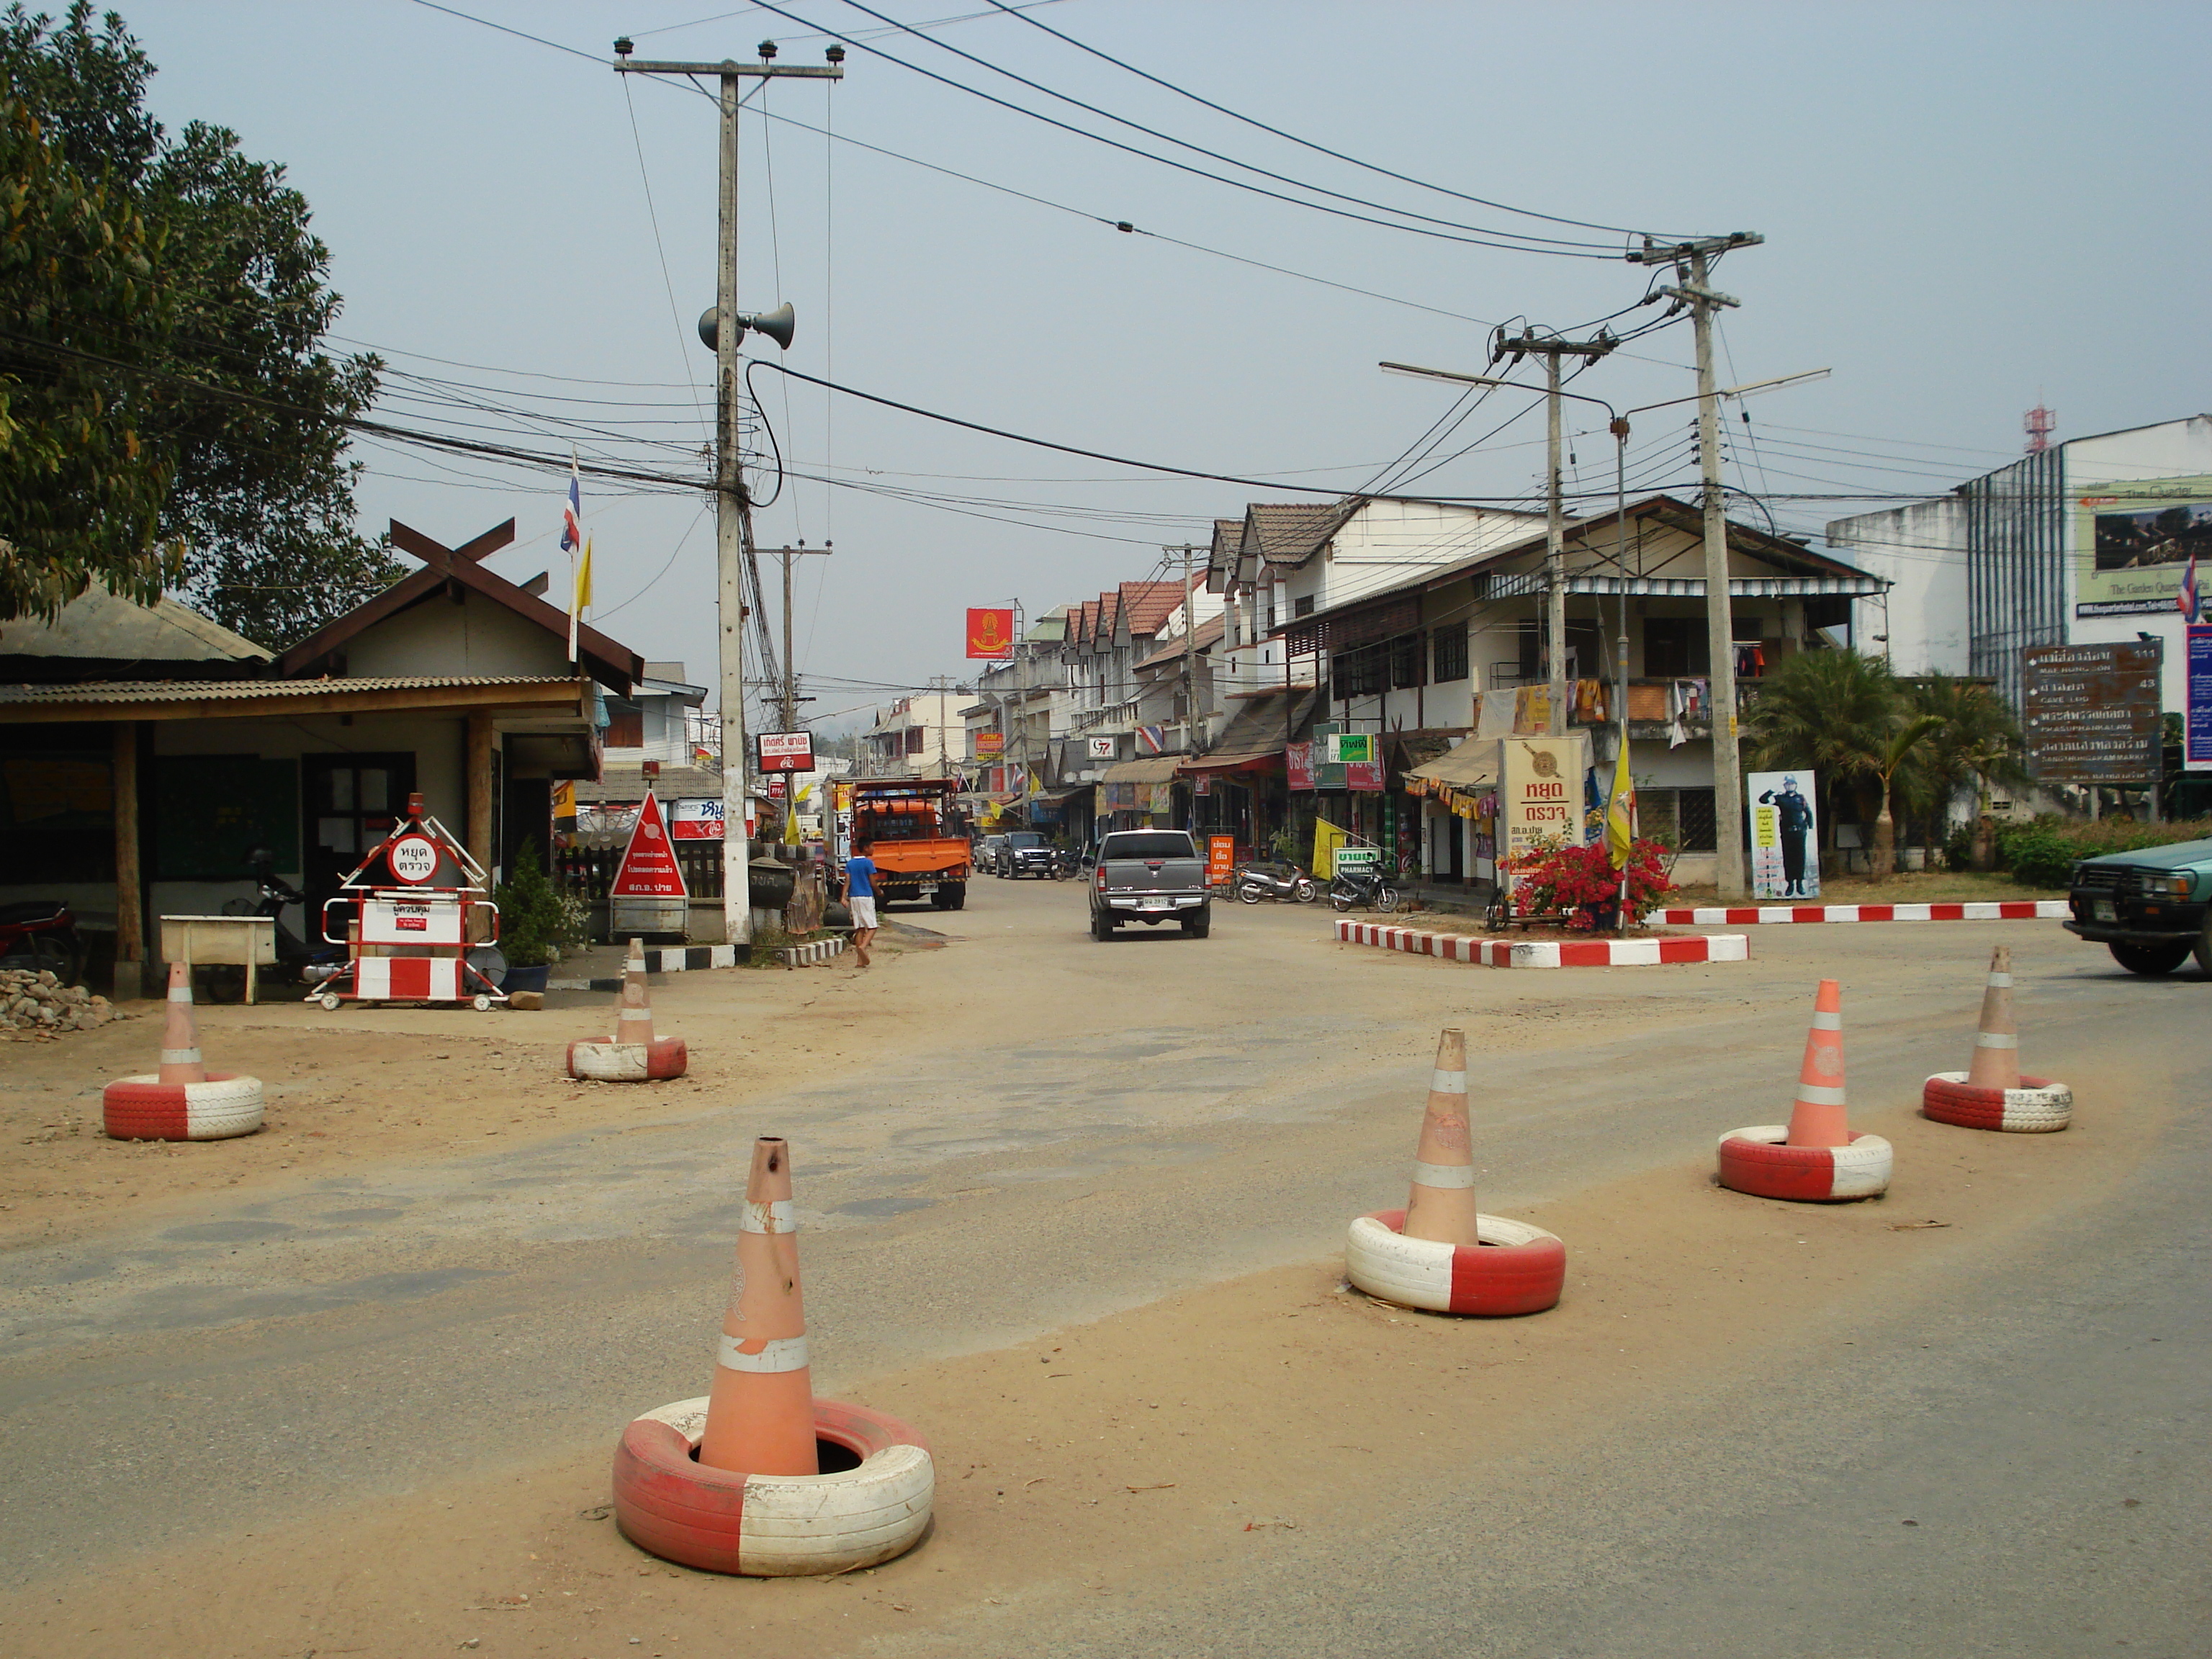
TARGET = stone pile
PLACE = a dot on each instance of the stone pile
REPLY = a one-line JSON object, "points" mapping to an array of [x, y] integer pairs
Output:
{"points": [[39, 1002]]}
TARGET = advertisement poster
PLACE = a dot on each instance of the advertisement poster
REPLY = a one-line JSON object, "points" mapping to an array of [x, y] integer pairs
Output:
{"points": [[1297, 761], [694, 820], [1220, 860], [1541, 792], [2196, 744], [2133, 543], [1785, 835]]}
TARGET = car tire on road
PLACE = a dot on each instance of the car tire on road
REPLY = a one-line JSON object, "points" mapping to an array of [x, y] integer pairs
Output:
{"points": [[2150, 960], [1517, 1268], [2037, 1106], [1200, 926]]}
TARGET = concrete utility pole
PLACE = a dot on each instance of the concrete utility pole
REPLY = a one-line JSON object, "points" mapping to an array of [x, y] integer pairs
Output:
{"points": [[1694, 260], [787, 698], [1190, 720], [1552, 348], [730, 499]]}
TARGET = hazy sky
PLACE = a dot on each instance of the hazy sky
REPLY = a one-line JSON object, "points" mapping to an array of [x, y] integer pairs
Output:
{"points": [[1967, 208]]}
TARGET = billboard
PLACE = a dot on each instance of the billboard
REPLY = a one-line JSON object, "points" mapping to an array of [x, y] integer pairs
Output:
{"points": [[991, 633], [1784, 825], [2197, 727], [2133, 543], [2091, 713], [786, 751], [1540, 792]]}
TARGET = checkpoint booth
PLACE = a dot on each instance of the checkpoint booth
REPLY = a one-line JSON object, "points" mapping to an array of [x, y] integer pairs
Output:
{"points": [[406, 915]]}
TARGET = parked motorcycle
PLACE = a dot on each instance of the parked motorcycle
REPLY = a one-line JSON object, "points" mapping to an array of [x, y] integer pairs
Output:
{"points": [[1284, 881], [41, 934], [1362, 890], [1064, 861], [298, 962]]}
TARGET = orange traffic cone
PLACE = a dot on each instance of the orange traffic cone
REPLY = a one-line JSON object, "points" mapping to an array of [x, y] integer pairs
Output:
{"points": [[1997, 1047], [1818, 1118], [181, 1043], [1441, 1206], [760, 1414], [633, 1012]]}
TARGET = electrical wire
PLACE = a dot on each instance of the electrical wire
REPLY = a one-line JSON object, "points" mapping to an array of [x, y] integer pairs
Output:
{"points": [[1015, 11]]}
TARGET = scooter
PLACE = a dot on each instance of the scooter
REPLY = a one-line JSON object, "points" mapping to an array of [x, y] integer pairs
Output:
{"points": [[1285, 882], [1363, 889], [297, 960], [40, 934], [1063, 863]]}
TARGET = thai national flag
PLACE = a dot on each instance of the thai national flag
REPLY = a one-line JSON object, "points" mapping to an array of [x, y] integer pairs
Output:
{"points": [[2191, 611], [572, 515]]}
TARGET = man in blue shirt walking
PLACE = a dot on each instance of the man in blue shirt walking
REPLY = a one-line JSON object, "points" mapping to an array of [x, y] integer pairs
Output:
{"points": [[860, 899]]}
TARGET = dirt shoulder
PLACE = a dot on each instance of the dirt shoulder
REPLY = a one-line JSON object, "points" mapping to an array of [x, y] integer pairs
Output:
{"points": [[1167, 1443]]}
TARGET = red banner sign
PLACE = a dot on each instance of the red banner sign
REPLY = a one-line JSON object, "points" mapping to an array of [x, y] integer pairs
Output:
{"points": [[1220, 860], [785, 751], [991, 633], [649, 865], [1297, 761]]}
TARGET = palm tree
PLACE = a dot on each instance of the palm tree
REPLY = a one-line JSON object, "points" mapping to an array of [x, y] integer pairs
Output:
{"points": [[1848, 717], [1832, 711], [1979, 742]]}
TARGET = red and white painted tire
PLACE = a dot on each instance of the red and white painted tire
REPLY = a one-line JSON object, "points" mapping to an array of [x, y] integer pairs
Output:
{"points": [[1516, 1269], [147, 1109], [2038, 1107], [629, 1062], [1756, 1161], [772, 1526]]}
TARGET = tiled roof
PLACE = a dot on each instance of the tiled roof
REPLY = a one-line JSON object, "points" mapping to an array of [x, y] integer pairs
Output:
{"points": [[1292, 534], [1209, 634]]}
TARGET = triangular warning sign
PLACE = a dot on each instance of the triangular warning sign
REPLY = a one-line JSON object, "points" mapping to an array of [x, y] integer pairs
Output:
{"points": [[648, 864]]}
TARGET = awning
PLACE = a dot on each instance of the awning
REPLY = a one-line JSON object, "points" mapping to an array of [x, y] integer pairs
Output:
{"points": [[1055, 797], [1472, 764], [1153, 769], [1255, 735]]}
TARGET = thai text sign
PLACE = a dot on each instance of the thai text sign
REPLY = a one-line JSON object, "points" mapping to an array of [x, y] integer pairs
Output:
{"points": [[786, 751], [990, 742], [2091, 712], [1220, 860], [2196, 743], [695, 820], [649, 865], [1541, 793]]}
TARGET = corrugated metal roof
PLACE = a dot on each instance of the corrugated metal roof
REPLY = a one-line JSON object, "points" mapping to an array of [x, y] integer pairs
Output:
{"points": [[144, 691], [1153, 769], [107, 628], [626, 783]]}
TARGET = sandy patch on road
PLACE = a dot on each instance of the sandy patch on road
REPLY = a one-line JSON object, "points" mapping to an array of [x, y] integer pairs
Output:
{"points": [[348, 1089], [1169, 1441]]}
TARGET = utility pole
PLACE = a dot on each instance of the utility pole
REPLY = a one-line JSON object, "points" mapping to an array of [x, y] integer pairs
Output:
{"points": [[789, 698], [1693, 262], [1552, 348], [730, 502], [1190, 721]]}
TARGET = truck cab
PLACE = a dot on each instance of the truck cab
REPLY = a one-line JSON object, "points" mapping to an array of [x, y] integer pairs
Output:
{"points": [[906, 826], [2147, 908]]}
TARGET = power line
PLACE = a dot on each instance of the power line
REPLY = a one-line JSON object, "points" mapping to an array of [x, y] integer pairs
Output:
{"points": [[1420, 184]]}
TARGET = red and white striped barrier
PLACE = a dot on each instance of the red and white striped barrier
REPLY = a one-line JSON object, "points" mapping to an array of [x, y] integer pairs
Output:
{"points": [[773, 1525], [1517, 1268], [2037, 1107], [1500, 952], [1770, 914], [147, 1109], [1758, 1161]]}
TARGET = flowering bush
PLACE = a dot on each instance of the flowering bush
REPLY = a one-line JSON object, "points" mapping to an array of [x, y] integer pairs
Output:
{"points": [[1559, 875]]}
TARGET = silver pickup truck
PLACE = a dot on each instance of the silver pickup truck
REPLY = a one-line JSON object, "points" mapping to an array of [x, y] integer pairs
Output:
{"points": [[1149, 876]]}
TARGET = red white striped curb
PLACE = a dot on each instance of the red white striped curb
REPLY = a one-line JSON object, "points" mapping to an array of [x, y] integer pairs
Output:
{"points": [[1548, 953], [1979, 911]]}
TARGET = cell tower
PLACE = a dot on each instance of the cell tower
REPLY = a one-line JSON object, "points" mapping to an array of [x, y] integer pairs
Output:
{"points": [[2039, 423]]}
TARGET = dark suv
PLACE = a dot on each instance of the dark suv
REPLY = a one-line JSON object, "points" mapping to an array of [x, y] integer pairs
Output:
{"points": [[1025, 854], [2147, 908]]}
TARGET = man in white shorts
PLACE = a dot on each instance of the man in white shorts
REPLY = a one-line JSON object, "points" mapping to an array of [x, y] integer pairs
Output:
{"points": [[860, 899]]}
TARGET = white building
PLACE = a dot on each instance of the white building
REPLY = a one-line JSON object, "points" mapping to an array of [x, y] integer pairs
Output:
{"points": [[2086, 542], [922, 735]]}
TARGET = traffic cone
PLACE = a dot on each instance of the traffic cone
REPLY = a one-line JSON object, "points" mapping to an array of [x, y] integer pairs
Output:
{"points": [[1441, 1206], [759, 1413], [1996, 1046], [633, 1012], [181, 1043], [1818, 1118]]}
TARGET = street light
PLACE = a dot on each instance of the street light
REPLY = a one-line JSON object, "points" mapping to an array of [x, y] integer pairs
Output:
{"points": [[1619, 426]]}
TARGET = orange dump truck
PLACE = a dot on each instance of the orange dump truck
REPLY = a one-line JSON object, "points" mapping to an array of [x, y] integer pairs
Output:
{"points": [[905, 825]]}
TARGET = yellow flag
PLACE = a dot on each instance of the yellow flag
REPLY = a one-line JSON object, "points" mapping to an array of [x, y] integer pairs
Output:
{"points": [[1327, 839], [1620, 812], [584, 579]]}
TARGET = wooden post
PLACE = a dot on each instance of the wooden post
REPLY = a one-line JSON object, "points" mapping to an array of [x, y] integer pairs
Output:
{"points": [[130, 914], [479, 808]]}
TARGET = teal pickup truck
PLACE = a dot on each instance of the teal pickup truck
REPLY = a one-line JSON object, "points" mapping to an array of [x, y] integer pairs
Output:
{"points": [[2148, 908]]}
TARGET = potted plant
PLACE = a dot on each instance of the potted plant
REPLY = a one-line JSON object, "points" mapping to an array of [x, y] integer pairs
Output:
{"points": [[536, 918]]}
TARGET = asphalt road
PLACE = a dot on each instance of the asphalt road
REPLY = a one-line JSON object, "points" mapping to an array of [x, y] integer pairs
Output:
{"points": [[1144, 1116]]}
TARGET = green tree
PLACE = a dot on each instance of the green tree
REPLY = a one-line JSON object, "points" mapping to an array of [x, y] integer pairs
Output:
{"points": [[1978, 743], [241, 405], [1847, 717]]}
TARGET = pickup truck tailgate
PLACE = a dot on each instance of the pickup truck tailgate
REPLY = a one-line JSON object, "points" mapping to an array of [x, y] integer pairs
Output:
{"points": [[1155, 875]]}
